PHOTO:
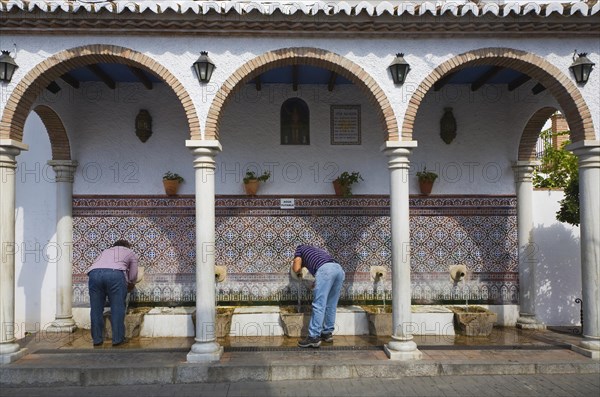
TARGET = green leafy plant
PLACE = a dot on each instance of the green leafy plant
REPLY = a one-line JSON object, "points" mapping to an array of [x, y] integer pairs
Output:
{"points": [[250, 175], [171, 176], [427, 175], [347, 179], [559, 169], [558, 165], [569, 205]]}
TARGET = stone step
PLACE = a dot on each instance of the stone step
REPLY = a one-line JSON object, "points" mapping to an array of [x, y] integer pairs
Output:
{"points": [[167, 367]]}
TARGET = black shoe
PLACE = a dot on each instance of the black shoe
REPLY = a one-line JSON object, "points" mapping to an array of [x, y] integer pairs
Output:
{"points": [[120, 343], [310, 342], [98, 344], [327, 338]]}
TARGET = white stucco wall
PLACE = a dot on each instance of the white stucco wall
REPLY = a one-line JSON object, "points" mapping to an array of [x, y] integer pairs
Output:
{"points": [[114, 161], [35, 234], [558, 273], [177, 54]]}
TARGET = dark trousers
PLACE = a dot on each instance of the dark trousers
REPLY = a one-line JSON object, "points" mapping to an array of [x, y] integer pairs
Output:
{"points": [[109, 283]]}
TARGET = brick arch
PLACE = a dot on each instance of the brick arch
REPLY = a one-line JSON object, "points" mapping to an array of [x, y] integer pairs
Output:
{"points": [[30, 87], [531, 133], [59, 141], [302, 56], [556, 82]]}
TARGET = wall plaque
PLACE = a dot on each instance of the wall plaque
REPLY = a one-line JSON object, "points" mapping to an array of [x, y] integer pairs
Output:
{"points": [[345, 125]]}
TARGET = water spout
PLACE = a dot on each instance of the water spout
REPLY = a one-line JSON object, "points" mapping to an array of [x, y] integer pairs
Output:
{"points": [[299, 278], [377, 276], [220, 276], [459, 273]]}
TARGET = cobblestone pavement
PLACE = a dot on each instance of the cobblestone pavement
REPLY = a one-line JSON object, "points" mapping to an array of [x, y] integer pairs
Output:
{"points": [[572, 385]]}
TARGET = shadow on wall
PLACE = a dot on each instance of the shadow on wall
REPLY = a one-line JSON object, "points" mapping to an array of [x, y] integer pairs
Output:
{"points": [[558, 275], [36, 251]]}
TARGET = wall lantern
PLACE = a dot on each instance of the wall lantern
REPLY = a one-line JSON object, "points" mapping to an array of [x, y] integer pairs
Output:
{"points": [[448, 126], [581, 67], [399, 69], [204, 67], [143, 125], [7, 67]]}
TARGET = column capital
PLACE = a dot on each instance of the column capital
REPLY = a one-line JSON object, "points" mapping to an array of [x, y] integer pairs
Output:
{"points": [[524, 170], [208, 144], [588, 153], [398, 148], [204, 152], [398, 153], [9, 149], [64, 169]]}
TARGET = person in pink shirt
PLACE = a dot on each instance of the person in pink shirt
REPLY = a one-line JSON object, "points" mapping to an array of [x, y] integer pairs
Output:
{"points": [[112, 275]]}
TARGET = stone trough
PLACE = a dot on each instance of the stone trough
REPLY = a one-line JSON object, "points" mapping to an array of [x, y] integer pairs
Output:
{"points": [[264, 321]]}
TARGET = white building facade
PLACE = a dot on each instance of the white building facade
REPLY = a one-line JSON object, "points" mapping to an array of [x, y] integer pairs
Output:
{"points": [[76, 177]]}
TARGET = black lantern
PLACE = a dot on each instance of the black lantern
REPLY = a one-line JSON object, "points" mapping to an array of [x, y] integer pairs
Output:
{"points": [[7, 67], [399, 69], [204, 67], [581, 68]]}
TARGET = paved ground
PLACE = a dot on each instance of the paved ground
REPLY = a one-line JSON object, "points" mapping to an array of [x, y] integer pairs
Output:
{"points": [[510, 362], [583, 385]]}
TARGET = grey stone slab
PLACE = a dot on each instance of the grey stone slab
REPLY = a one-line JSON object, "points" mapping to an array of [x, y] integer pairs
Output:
{"points": [[127, 376], [39, 377]]}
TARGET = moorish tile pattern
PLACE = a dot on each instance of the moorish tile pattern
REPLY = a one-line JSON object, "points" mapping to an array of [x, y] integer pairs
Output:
{"points": [[256, 238]]}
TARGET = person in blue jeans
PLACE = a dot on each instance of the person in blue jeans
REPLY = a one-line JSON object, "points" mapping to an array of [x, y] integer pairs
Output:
{"points": [[112, 275], [329, 277]]}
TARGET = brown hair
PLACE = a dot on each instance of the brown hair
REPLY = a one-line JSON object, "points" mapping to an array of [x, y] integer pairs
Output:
{"points": [[122, 243]]}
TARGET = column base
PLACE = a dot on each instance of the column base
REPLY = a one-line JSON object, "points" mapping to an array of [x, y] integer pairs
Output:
{"points": [[526, 321], [11, 352], [589, 348], [60, 326], [204, 352], [402, 350]]}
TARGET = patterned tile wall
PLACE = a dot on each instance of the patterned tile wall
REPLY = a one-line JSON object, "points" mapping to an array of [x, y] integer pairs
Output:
{"points": [[256, 238]]}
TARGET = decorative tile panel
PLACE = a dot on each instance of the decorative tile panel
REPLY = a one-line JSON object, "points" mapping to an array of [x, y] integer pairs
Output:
{"points": [[256, 239]]}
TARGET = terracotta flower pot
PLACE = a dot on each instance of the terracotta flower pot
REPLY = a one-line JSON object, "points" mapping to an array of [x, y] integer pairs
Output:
{"points": [[340, 190], [425, 187], [251, 187], [171, 187]]}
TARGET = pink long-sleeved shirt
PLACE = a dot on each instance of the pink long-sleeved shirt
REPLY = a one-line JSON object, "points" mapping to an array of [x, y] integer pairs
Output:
{"points": [[118, 258]]}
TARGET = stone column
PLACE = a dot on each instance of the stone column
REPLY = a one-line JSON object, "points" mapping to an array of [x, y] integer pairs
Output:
{"points": [[63, 320], [9, 350], [206, 347], [402, 346], [527, 258], [589, 229]]}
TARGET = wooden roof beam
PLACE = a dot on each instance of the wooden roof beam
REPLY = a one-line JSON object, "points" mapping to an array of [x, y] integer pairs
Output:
{"points": [[141, 76], [438, 85], [105, 78], [258, 83], [537, 89], [519, 81], [332, 78], [295, 77], [487, 76], [70, 80]]}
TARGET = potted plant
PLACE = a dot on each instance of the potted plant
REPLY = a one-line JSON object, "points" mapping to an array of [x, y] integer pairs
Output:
{"points": [[343, 183], [426, 179], [171, 182], [251, 181]]}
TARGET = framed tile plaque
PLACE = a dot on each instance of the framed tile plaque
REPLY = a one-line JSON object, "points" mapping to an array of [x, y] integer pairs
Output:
{"points": [[345, 125]]}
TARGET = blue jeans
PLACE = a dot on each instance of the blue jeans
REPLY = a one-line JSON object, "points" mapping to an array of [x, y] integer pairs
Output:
{"points": [[328, 285], [112, 284]]}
